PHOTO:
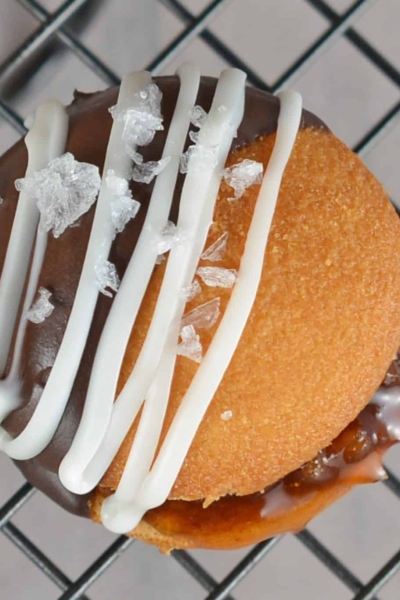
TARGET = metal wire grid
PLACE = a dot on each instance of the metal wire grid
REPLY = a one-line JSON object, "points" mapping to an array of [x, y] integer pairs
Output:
{"points": [[56, 25]]}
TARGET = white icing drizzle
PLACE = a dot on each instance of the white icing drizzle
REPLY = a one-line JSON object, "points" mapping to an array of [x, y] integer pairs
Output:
{"points": [[195, 216], [45, 141], [47, 416], [122, 511], [115, 336], [37, 262]]}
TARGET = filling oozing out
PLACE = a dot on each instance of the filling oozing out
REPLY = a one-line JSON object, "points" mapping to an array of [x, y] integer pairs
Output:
{"points": [[353, 458], [55, 191]]}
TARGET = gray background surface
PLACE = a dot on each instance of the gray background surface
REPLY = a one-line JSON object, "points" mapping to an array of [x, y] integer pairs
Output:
{"points": [[350, 94]]}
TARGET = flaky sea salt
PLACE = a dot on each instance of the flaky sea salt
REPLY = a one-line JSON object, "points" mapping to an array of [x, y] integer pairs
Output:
{"points": [[243, 175], [123, 207], [204, 316], [206, 159], [1, 200], [141, 116], [169, 236], [145, 172], [42, 308], [106, 277], [63, 191], [137, 158], [194, 136], [391, 378], [118, 186], [192, 290], [217, 250], [190, 346], [197, 116], [228, 414], [217, 276]]}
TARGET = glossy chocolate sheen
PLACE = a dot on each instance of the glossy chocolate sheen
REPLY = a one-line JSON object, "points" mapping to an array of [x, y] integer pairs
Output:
{"points": [[90, 124]]}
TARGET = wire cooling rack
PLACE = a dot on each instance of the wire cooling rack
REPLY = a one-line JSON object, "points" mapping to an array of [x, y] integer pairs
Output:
{"points": [[53, 34]]}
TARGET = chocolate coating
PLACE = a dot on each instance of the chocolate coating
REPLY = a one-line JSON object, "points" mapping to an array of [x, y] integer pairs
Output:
{"points": [[90, 124]]}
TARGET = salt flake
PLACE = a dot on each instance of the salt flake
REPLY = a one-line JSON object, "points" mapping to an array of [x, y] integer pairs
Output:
{"points": [[63, 191], [199, 159], [123, 207], [243, 175], [217, 276], [190, 345], [42, 308], [168, 238], [136, 157], [141, 116], [1, 200], [204, 316], [192, 290], [217, 250], [194, 136], [197, 116], [118, 186], [145, 172], [106, 277], [228, 414]]}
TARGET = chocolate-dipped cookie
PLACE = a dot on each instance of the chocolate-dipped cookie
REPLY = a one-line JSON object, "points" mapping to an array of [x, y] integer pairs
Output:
{"points": [[281, 376]]}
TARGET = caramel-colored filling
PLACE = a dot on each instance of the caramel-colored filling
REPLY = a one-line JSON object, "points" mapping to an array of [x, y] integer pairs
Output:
{"points": [[354, 457]]}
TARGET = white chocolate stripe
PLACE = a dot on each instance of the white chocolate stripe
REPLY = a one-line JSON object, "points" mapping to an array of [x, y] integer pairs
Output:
{"points": [[47, 416], [45, 141], [148, 433], [37, 262], [120, 426], [121, 513], [230, 95], [195, 217], [122, 316]]}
